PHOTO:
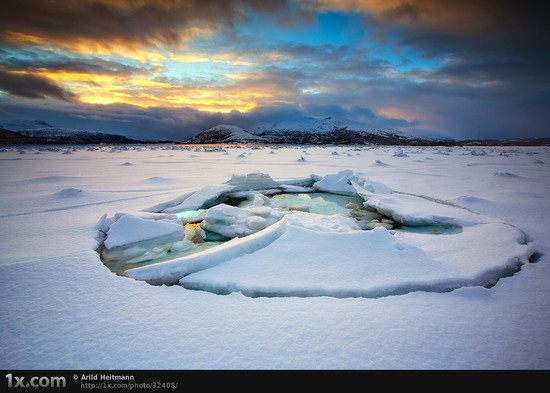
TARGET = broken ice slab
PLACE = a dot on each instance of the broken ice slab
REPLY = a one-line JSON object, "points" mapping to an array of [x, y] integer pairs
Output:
{"points": [[232, 221], [320, 203], [191, 216]]}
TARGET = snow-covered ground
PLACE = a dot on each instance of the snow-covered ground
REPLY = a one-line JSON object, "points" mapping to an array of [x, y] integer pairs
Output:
{"points": [[62, 308]]}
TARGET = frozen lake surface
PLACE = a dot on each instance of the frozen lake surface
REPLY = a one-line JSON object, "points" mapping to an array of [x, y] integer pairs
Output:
{"points": [[308, 293]]}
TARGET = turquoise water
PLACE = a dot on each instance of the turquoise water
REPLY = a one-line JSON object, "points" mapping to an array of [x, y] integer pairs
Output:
{"points": [[432, 229], [318, 203]]}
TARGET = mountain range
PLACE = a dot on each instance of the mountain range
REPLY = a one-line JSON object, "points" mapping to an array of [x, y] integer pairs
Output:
{"points": [[41, 133], [304, 130], [309, 130], [50, 136]]}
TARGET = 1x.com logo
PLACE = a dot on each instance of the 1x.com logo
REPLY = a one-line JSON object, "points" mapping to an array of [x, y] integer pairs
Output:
{"points": [[15, 382]]}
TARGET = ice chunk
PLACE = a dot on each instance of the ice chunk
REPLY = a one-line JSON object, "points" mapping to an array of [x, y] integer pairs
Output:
{"points": [[301, 181], [231, 221], [366, 263], [417, 211], [400, 153], [191, 216], [296, 189], [321, 203], [170, 272], [200, 199], [365, 186], [256, 223], [132, 239], [260, 200], [321, 223], [252, 181], [339, 183], [356, 264], [251, 193], [181, 245], [130, 229]]}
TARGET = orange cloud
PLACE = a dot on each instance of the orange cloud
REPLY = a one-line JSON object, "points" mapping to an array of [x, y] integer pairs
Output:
{"points": [[147, 92], [239, 59], [398, 113]]}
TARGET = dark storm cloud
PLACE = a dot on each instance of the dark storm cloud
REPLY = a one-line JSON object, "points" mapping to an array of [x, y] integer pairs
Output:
{"points": [[490, 78], [465, 17], [87, 66], [134, 23], [31, 86], [488, 28]]}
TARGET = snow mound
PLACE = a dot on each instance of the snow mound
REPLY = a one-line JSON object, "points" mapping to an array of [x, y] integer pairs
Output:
{"points": [[158, 179], [504, 174], [70, 193], [400, 153]]}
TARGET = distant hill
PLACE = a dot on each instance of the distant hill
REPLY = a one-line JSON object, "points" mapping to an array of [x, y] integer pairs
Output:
{"points": [[507, 142], [224, 133], [59, 136], [8, 137]]}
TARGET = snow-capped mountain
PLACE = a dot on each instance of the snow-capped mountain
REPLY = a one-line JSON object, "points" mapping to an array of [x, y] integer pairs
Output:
{"points": [[328, 124], [309, 130], [224, 133]]}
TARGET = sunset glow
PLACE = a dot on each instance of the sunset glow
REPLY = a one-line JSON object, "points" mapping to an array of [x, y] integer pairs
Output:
{"points": [[419, 66]]}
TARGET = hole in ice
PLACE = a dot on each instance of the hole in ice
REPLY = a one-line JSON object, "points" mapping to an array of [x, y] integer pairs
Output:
{"points": [[535, 257], [203, 229], [339, 235]]}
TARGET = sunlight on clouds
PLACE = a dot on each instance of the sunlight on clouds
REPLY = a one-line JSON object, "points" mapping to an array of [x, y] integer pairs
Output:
{"points": [[139, 91], [148, 83], [358, 5], [22, 38], [244, 76], [190, 58], [397, 113], [246, 59], [229, 58], [69, 78]]}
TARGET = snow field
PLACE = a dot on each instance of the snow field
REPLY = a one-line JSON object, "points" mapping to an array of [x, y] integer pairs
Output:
{"points": [[62, 308]]}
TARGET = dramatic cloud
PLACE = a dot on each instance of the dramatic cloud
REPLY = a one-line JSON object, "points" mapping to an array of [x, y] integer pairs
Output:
{"points": [[113, 23], [30, 86], [169, 69]]}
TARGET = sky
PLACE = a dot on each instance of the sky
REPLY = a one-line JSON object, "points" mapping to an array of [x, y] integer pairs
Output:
{"points": [[171, 69]]}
